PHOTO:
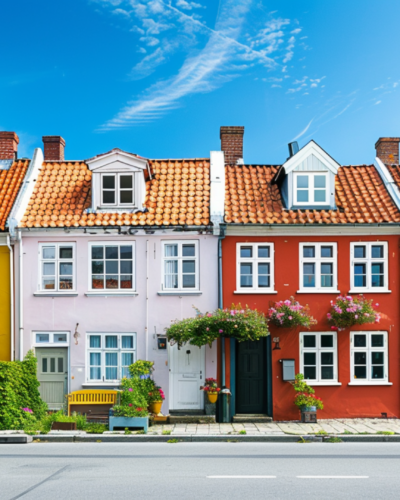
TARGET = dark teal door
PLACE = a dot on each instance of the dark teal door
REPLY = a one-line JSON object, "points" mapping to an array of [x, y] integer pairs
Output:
{"points": [[251, 377]]}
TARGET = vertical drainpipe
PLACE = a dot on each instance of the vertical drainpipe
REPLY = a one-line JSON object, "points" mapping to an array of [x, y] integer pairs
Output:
{"points": [[21, 300], [10, 248], [220, 301], [146, 330]]}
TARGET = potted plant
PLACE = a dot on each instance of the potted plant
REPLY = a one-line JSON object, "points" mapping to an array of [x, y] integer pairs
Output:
{"points": [[305, 398], [348, 311], [211, 389], [290, 314], [132, 410], [157, 397]]}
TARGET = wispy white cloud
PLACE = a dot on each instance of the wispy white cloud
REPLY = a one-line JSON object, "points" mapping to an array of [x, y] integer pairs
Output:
{"points": [[183, 4], [303, 131], [377, 102]]}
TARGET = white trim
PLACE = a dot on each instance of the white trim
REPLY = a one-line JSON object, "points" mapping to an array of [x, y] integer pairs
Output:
{"points": [[334, 292], [103, 350], [254, 260], [324, 384], [369, 291], [57, 261], [268, 230], [111, 294], [111, 291], [369, 384], [387, 178], [368, 260], [180, 259], [217, 189], [117, 190], [368, 350], [319, 350], [254, 292], [317, 260], [309, 149], [51, 342], [311, 189]]}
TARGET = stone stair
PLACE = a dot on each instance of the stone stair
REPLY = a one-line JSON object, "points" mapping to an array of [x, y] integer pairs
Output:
{"points": [[190, 417], [240, 418]]}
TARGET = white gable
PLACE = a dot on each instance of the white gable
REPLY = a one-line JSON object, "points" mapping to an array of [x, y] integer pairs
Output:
{"points": [[311, 158], [117, 161]]}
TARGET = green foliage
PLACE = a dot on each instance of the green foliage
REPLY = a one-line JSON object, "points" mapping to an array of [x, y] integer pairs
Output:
{"points": [[334, 439], [141, 367], [140, 432], [242, 432], [289, 314], [173, 441], [44, 424], [321, 433], [236, 322], [386, 433], [166, 433], [305, 395], [348, 432], [134, 397], [127, 431], [348, 311], [94, 428], [18, 390]]}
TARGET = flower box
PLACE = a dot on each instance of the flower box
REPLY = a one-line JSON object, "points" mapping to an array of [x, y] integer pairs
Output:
{"points": [[63, 426], [141, 422]]}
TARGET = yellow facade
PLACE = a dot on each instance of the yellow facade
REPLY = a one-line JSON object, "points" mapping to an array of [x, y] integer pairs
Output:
{"points": [[5, 298]]}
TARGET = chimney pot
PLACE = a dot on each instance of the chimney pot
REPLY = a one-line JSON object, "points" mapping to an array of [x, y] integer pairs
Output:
{"points": [[232, 144], [387, 150], [8, 146], [54, 146]]}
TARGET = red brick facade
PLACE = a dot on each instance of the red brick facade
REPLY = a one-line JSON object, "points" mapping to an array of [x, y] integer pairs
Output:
{"points": [[53, 148]]}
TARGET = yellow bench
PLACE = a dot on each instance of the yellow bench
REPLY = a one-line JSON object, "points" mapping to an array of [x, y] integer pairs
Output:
{"points": [[92, 397]]}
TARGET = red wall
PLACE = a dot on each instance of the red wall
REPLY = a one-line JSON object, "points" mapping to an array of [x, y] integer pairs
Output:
{"points": [[340, 401]]}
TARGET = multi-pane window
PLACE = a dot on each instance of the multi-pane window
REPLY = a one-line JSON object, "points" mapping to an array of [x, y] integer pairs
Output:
{"points": [[255, 267], [311, 188], [369, 266], [318, 267], [110, 355], [57, 267], [180, 265], [369, 362], [117, 189], [318, 356], [112, 266], [52, 364]]}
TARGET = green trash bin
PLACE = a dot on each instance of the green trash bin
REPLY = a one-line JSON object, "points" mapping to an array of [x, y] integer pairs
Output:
{"points": [[225, 399]]}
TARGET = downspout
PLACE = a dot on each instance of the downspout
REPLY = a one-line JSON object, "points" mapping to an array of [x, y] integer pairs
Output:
{"points": [[220, 301], [10, 248], [146, 330], [21, 300]]}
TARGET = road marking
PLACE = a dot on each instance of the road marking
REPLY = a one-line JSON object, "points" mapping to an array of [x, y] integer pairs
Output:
{"points": [[241, 477], [332, 477]]}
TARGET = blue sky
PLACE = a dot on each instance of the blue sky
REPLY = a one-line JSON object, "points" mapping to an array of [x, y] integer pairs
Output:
{"points": [[159, 77]]}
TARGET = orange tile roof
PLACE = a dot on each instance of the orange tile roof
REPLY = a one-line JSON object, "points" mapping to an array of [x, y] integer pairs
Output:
{"points": [[10, 182], [178, 194], [395, 171], [361, 197]]}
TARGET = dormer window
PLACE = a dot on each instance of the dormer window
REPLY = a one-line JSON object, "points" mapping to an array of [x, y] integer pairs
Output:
{"points": [[311, 188], [117, 190]]}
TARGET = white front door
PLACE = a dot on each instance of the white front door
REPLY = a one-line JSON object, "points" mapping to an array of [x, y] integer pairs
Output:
{"points": [[52, 375], [187, 370]]}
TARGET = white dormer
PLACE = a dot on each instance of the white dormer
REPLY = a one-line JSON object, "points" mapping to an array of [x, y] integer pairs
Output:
{"points": [[309, 182], [118, 181]]}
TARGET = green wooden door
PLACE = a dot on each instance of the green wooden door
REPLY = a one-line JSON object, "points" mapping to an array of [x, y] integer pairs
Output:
{"points": [[250, 377], [52, 375]]}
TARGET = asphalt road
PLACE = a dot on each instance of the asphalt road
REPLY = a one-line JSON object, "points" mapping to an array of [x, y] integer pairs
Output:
{"points": [[199, 471]]}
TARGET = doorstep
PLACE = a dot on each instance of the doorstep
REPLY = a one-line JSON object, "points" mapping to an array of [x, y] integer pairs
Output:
{"points": [[190, 417], [241, 418]]}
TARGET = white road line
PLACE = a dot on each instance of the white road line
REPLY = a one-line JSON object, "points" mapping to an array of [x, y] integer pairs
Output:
{"points": [[241, 477], [332, 477]]}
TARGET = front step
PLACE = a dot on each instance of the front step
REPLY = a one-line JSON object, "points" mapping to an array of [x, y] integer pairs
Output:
{"points": [[251, 419], [191, 418]]}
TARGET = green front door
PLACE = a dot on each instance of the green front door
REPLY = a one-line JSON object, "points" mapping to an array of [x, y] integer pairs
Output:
{"points": [[52, 375], [251, 377]]}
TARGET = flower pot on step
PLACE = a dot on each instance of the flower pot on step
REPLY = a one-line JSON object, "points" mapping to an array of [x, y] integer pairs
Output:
{"points": [[155, 407], [212, 397]]}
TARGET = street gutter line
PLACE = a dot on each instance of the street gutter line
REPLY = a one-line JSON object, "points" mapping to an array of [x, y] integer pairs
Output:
{"points": [[39, 484]]}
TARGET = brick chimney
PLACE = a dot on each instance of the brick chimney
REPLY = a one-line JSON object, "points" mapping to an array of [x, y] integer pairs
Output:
{"points": [[53, 148], [8, 146], [387, 150], [232, 144]]}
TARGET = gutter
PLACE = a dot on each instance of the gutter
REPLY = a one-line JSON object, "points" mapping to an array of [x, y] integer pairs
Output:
{"points": [[21, 300], [388, 180], [220, 301], [10, 248]]}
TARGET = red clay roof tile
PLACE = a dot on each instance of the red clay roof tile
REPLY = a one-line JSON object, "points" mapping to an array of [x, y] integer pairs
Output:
{"points": [[10, 183]]}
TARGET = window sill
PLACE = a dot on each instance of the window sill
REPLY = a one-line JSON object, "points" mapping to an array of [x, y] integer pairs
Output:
{"points": [[111, 294], [321, 384], [369, 384], [181, 293], [255, 292], [55, 294], [370, 290], [319, 291], [102, 384]]}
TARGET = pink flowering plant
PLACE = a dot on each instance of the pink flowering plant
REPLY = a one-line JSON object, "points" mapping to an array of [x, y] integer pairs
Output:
{"points": [[211, 386], [241, 323], [348, 311], [290, 313], [305, 395]]}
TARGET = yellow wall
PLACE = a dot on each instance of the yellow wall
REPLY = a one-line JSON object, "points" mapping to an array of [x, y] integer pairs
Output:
{"points": [[5, 320]]}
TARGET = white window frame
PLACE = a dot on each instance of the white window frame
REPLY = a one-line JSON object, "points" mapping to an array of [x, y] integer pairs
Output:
{"points": [[103, 350], [255, 260], [318, 350], [180, 259], [51, 342], [318, 260], [368, 349], [368, 261], [311, 189], [57, 261], [117, 189], [105, 290]]}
